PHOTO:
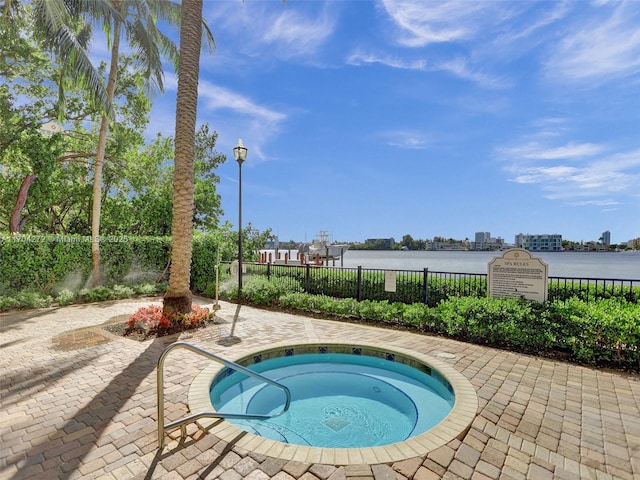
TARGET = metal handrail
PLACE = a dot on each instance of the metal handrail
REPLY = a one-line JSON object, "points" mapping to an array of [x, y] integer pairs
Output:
{"points": [[162, 428]]}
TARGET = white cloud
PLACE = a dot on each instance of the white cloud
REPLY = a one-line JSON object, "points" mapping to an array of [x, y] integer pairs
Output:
{"points": [[269, 29], [616, 174], [604, 48], [359, 58], [460, 68], [406, 139], [422, 22], [585, 42], [597, 203], [297, 34], [532, 25], [550, 127], [536, 151], [577, 173], [257, 122], [214, 97], [546, 174]]}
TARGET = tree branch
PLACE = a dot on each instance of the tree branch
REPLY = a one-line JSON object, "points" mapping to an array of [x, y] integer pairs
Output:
{"points": [[16, 224]]}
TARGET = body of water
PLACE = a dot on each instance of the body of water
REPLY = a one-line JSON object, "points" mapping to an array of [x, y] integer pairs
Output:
{"points": [[618, 265]]}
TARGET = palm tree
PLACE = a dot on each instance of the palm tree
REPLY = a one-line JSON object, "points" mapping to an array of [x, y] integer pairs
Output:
{"points": [[178, 297], [138, 19]]}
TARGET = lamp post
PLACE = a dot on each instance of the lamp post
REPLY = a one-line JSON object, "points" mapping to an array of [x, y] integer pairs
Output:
{"points": [[240, 152]]}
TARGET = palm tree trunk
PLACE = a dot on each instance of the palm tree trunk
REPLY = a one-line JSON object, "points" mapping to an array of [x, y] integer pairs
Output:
{"points": [[99, 161], [178, 297]]}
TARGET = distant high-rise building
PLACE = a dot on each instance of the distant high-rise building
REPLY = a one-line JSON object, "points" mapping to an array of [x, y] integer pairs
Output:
{"points": [[480, 239], [484, 241], [606, 238]]}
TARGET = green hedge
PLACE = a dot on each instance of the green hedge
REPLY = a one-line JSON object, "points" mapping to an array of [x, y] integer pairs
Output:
{"points": [[203, 264], [589, 291], [605, 332], [49, 263], [52, 263]]}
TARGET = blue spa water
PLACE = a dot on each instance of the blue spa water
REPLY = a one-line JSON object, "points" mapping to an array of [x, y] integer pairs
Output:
{"points": [[337, 400]]}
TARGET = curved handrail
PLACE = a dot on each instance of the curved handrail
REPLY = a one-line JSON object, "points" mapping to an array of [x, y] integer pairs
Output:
{"points": [[227, 363]]}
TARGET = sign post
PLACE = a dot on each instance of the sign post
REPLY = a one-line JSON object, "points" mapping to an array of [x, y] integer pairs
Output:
{"points": [[389, 281], [518, 274]]}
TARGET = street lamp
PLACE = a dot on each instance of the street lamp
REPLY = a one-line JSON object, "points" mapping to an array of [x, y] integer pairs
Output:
{"points": [[240, 152]]}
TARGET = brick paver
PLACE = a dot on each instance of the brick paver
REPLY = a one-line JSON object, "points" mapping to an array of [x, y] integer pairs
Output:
{"points": [[79, 402]]}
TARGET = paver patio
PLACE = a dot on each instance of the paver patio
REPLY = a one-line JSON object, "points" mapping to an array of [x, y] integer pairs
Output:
{"points": [[79, 402]]}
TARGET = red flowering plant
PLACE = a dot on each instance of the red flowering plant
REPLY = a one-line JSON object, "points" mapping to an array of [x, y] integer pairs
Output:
{"points": [[148, 319], [152, 320]]}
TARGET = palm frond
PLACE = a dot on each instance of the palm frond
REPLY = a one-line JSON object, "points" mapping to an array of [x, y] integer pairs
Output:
{"points": [[146, 52], [207, 37], [77, 65]]}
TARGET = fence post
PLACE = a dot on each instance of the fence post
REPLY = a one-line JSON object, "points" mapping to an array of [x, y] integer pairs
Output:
{"points": [[307, 281], [268, 270], [359, 287], [425, 286]]}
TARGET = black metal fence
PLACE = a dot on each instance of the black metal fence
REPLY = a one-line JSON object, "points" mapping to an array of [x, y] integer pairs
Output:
{"points": [[425, 286]]}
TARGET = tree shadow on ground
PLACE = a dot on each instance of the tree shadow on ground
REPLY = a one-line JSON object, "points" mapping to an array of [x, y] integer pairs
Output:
{"points": [[185, 443], [21, 318], [78, 434], [28, 380]]}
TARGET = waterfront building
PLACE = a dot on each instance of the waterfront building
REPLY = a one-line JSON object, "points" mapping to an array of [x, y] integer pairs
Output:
{"points": [[606, 238], [539, 243], [484, 241], [579, 247], [437, 245], [381, 243]]}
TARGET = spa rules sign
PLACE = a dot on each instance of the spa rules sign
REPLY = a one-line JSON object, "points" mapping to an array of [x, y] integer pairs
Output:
{"points": [[518, 274]]}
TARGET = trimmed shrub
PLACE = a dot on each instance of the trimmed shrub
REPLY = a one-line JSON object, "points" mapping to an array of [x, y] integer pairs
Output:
{"points": [[604, 333], [599, 332], [32, 300], [149, 288], [259, 290], [65, 297]]}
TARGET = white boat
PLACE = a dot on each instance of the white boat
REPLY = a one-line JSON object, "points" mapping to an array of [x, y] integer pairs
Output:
{"points": [[321, 247]]}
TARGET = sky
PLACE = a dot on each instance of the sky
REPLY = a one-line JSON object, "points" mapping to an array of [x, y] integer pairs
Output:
{"points": [[385, 118]]}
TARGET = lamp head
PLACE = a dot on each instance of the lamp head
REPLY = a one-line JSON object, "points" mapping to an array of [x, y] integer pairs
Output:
{"points": [[240, 152]]}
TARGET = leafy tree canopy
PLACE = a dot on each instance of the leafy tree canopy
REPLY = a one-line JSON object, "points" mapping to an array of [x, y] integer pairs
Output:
{"points": [[56, 159]]}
